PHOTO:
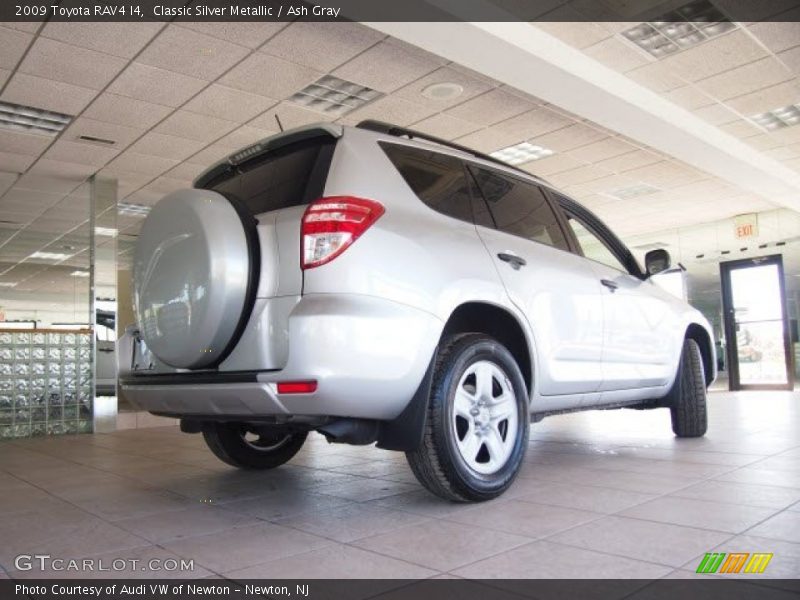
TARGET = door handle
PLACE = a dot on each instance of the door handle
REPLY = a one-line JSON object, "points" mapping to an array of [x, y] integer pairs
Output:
{"points": [[512, 259], [609, 284]]}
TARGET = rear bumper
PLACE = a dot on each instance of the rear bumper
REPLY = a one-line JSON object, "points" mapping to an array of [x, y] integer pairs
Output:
{"points": [[368, 356]]}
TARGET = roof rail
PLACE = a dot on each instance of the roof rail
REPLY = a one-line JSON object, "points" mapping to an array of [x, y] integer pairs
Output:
{"points": [[397, 131]]}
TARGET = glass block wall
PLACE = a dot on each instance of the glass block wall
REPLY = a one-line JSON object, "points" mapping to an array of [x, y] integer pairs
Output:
{"points": [[45, 382]]}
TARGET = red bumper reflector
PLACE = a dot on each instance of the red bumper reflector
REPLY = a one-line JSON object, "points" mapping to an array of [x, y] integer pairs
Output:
{"points": [[297, 387]]}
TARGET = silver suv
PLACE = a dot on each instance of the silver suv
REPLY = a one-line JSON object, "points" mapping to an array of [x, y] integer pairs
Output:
{"points": [[376, 284]]}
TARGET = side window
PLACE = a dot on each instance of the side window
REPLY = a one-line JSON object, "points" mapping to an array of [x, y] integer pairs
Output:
{"points": [[437, 179], [593, 247], [520, 208]]}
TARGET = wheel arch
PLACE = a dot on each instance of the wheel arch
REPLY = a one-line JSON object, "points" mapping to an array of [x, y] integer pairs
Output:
{"points": [[699, 334]]}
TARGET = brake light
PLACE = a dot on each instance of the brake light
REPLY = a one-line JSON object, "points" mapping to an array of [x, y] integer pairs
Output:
{"points": [[297, 387], [331, 225]]}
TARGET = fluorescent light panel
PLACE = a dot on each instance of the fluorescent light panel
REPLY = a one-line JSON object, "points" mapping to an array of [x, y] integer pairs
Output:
{"points": [[28, 119], [521, 153], [679, 29], [134, 210], [8, 284], [778, 118], [80, 274], [335, 96], [50, 255], [106, 231], [632, 191]]}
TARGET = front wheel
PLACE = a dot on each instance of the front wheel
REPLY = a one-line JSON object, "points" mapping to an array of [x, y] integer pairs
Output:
{"points": [[247, 447], [476, 431], [689, 417]]}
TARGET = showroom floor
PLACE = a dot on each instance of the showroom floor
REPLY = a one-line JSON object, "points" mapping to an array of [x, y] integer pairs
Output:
{"points": [[603, 494]]}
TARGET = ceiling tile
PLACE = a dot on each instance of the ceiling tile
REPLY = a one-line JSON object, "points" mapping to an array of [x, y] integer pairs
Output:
{"points": [[582, 174], [715, 56], [122, 136], [629, 160], [390, 109], [118, 39], [791, 58], [322, 46], [47, 94], [491, 107], [551, 165], [26, 26], [69, 64], [748, 78], [4, 75], [14, 162], [83, 153], [689, 97], [387, 67], [250, 34], [166, 146], [7, 179], [246, 135], [62, 170], [269, 76], [141, 163], [572, 136], [472, 87], [165, 185], [193, 126], [716, 114], [291, 116], [44, 183], [601, 150], [28, 144], [575, 33], [777, 36], [445, 126], [767, 99], [191, 53], [490, 139], [657, 77], [617, 55], [12, 46], [121, 110], [185, 171], [151, 84], [534, 123], [211, 154], [228, 103]]}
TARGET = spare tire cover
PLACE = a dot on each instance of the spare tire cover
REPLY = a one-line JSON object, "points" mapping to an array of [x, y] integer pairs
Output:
{"points": [[191, 271]]}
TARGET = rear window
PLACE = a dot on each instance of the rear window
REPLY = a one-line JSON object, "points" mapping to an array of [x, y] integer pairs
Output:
{"points": [[437, 179], [289, 176]]}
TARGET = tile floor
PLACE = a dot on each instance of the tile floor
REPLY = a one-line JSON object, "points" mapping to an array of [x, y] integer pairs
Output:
{"points": [[602, 494]]}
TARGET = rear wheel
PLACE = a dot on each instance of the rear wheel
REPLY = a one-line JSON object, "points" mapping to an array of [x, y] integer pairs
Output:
{"points": [[476, 431], [247, 447], [689, 418]]}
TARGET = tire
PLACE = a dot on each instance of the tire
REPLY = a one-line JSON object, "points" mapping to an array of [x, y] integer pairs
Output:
{"points": [[688, 409], [228, 442], [459, 410]]}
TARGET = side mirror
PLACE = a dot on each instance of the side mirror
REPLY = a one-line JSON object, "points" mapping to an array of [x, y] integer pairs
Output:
{"points": [[657, 261]]}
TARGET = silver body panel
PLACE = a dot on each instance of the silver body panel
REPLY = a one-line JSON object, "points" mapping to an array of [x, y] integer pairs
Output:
{"points": [[366, 325]]}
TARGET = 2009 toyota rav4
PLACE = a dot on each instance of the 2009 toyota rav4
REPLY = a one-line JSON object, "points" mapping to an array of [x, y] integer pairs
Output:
{"points": [[379, 285]]}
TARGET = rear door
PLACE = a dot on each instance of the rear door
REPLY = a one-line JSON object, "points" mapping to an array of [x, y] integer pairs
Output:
{"points": [[640, 324], [556, 289]]}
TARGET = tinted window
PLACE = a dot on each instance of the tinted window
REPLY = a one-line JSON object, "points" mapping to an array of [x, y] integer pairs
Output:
{"points": [[288, 176], [520, 208], [437, 179], [594, 247]]}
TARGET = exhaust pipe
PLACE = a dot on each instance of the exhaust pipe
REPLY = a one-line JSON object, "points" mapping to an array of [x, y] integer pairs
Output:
{"points": [[358, 432]]}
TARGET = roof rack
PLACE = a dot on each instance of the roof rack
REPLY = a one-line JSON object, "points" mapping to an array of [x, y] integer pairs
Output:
{"points": [[397, 131]]}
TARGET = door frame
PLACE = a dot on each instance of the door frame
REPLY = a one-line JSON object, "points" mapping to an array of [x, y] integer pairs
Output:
{"points": [[729, 325]]}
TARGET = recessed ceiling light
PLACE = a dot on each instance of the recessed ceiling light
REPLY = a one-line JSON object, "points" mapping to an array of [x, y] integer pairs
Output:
{"points": [[778, 118], [106, 231], [443, 91], [134, 210], [677, 30], [28, 119], [8, 284], [335, 96], [80, 273], [632, 191], [521, 153], [50, 255]]}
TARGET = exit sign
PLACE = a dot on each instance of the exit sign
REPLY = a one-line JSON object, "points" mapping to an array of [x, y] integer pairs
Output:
{"points": [[746, 226]]}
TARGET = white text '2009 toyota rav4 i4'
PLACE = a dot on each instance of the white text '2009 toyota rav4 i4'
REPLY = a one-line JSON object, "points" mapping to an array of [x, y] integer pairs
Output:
{"points": [[379, 285]]}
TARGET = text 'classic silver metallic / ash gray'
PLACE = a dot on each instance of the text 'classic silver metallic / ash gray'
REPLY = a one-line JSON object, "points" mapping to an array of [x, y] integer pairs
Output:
{"points": [[382, 286]]}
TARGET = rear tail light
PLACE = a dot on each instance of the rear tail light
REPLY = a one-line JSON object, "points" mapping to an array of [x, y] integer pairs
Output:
{"points": [[331, 225]]}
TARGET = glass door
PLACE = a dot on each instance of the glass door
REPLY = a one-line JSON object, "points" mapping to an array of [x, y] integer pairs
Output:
{"points": [[756, 325]]}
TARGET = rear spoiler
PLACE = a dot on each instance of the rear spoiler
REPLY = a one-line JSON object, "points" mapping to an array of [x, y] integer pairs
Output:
{"points": [[267, 145]]}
